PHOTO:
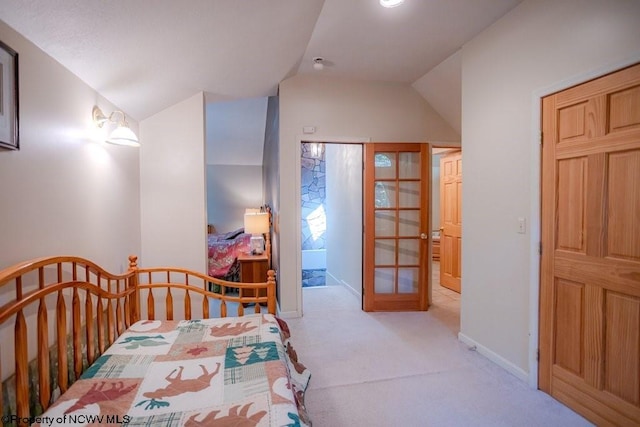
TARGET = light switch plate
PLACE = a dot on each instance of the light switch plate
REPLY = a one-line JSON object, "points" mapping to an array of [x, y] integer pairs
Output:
{"points": [[522, 225]]}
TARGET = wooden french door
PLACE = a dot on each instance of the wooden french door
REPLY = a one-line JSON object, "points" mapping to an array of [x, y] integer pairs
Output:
{"points": [[396, 202], [451, 220], [590, 266]]}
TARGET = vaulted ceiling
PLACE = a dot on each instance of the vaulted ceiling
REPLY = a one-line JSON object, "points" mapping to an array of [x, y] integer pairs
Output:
{"points": [[146, 55]]}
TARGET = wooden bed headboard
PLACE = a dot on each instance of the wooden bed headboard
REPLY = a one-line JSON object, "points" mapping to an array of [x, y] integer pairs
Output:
{"points": [[267, 208], [73, 302]]}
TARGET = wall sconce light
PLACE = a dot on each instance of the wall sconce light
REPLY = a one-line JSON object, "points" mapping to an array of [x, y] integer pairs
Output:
{"points": [[122, 135], [391, 3]]}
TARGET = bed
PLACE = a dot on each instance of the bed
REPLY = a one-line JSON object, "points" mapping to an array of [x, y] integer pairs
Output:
{"points": [[224, 249], [97, 339]]}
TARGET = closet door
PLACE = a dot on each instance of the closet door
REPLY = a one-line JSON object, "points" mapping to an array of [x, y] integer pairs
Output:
{"points": [[590, 272], [396, 202]]}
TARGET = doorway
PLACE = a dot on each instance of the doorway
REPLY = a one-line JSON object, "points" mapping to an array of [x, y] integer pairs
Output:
{"points": [[322, 213], [445, 301], [331, 215], [451, 220]]}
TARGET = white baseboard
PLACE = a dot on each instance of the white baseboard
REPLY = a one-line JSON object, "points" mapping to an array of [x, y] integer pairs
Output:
{"points": [[495, 358], [351, 289], [331, 280], [288, 314]]}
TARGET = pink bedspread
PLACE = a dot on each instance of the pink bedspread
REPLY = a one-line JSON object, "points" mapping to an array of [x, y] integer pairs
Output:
{"points": [[223, 253]]}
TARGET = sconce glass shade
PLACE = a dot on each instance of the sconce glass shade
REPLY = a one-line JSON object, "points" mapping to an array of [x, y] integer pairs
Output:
{"points": [[256, 223], [391, 3], [122, 135]]}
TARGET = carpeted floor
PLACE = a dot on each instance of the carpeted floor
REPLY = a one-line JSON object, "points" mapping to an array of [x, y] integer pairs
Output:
{"points": [[407, 369]]}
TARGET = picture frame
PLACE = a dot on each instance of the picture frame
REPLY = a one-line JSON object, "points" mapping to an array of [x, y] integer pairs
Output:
{"points": [[9, 131]]}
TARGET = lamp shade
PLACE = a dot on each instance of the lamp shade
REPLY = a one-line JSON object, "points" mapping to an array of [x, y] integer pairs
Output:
{"points": [[122, 135], [256, 223]]}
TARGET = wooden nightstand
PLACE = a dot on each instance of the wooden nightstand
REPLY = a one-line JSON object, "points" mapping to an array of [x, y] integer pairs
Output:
{"points": [[435, 248], [253, 269]]}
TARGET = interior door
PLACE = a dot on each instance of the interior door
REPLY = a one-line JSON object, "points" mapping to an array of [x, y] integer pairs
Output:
{"points": [[451, 220], [396, 203], [590, 266]]}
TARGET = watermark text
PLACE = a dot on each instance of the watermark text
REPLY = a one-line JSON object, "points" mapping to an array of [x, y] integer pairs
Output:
{"points": [[67, 419]]}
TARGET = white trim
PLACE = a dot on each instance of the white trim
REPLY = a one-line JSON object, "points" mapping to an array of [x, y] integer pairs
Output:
{"points": [[343, 284], [534, 243], [288, 314], [333, 279], [534, 272], [351, 289], [494, 357], [299, 140], [298, 165], [332, 139]]}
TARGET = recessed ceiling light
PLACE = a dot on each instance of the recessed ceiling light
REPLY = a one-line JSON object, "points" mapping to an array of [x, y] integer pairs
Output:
{"points": [[391, 3], [318, 64]]}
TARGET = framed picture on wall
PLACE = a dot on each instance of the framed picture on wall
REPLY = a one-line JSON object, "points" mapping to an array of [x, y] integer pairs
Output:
{"points": [[8, 98]]}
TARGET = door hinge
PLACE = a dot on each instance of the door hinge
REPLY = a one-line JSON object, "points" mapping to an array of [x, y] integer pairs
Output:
{"points": [[538, 355], [541, 138], [540, 248]]}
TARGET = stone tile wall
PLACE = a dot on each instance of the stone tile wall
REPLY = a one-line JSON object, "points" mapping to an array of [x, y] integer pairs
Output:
{"points": [[313, 189]]}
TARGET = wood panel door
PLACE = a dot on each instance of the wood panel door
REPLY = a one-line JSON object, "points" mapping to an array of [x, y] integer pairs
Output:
{"points": [[451, 220], [396, 203], [590, 266]]}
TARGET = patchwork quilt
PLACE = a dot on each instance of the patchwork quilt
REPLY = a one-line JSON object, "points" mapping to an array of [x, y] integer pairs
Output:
{"points": [[238, 371]]}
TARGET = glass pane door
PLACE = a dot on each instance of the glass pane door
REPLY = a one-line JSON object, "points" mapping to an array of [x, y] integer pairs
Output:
{"points": [[395, 214]]}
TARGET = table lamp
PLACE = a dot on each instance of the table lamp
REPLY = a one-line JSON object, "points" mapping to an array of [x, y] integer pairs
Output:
{"points": [[256, 224]]}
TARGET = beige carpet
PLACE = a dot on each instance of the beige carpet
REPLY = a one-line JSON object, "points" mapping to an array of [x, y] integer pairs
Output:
{"points": [[407, 369]]}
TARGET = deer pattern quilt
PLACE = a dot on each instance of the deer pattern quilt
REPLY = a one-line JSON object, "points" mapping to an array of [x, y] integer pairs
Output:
{"points": [[239, 371]]}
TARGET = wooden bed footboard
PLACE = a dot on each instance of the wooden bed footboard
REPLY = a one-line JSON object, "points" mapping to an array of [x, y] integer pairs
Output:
{"points": [[59, 314], [148, 280]]}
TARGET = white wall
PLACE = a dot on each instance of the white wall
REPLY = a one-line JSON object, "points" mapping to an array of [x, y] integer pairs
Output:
{"points": [[383, 112], [235, 135], [63, 192], [172, 187], [235, 131], [344, 215], [539, 44], [230, 190], [441, 88]]}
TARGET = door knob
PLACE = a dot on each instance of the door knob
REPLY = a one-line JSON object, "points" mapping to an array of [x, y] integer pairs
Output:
{"points": [[424, 236], [441, 228]]}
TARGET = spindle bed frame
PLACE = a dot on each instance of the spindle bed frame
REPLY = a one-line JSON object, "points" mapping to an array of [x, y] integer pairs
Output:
{"points": [[112, 302]]}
